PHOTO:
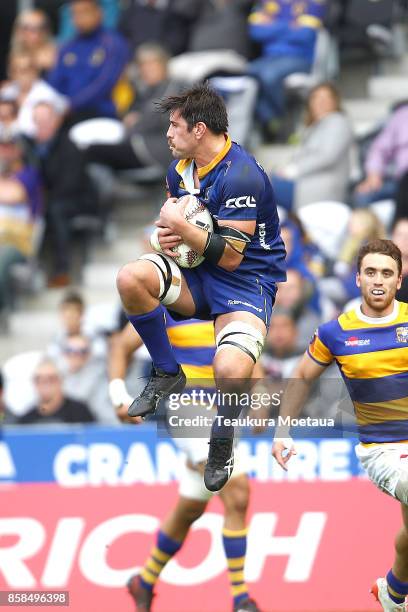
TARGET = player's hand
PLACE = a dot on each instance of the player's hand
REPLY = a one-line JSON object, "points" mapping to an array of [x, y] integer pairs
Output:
{"points": [[168, 240], [373, 182], [283, 450], [171, 215]]}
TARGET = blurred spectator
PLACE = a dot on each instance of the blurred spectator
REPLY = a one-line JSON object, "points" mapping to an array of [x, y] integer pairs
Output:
{"points": [[76, 320], [386, 162], [68, 193], [166, 22], [145, 143], [286, 31], [281, 351], [294, 296], [20, 205], [53, 405], [296, 259], [32, 35], [8, 114], [89, 66], [400, 237], [86, 378], [27, 89], [321, 168], [363, 226], [221, 24], [110, 10]]}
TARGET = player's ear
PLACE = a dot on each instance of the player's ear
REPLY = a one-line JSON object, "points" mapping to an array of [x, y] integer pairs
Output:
{"points": [[199, 129], [358, 279], [399, 283]]}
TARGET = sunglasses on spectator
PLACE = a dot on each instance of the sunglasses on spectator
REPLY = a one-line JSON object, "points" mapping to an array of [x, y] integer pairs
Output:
{"points": [[76, 350], [51, 378], [32, 27]]}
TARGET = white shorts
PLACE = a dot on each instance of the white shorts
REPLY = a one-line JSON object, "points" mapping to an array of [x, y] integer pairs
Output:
{"points": [[387, 467], [191, 484]]}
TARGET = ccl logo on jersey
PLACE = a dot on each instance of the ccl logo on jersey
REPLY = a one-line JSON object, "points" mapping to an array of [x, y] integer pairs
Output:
{"points": [[241, 202]]}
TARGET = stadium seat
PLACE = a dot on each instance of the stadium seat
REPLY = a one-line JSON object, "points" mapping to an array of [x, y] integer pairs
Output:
{"points": [[97, 131], [19, 393], [384, 210], [197, 66], [325, 66], [326, 224]]}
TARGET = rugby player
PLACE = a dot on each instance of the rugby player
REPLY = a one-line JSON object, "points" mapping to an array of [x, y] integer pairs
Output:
{"points": [[370, 346], [235, 285], [193, 343]]}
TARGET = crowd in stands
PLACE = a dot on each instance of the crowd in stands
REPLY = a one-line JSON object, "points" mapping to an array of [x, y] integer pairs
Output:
{"points": [[67, 66]]}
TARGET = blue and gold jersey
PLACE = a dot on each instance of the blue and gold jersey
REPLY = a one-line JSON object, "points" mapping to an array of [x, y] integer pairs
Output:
{"points": [[372, 355], [194, 348], [233, 186], [287, 27]]}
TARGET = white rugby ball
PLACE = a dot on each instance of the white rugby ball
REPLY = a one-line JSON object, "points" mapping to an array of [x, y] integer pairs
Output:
{"points": [[196, 213]]}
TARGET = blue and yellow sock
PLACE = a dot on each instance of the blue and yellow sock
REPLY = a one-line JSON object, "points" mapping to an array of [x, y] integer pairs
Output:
{"points": [[160, 554], [397, 590], [151, 327], [235, 545]]}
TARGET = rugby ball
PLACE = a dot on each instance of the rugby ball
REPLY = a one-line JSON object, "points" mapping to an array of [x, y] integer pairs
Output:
{"points": [[196, 213]]}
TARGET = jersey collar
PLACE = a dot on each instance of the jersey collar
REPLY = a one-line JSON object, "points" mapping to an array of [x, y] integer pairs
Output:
{"points": [[378, 320], [185, 167]]}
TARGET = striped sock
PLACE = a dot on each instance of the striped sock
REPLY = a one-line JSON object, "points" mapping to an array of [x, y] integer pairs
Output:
{"points": [[235, 544], [162, 552], [397, 590]]}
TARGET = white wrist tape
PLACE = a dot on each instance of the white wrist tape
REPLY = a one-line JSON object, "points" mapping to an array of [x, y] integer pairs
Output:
{"points": [[118, 393], [154, 241]]}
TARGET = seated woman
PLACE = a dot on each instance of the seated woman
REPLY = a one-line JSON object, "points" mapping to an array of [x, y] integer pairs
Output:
{"points": [[20, 204], [321, 168]]}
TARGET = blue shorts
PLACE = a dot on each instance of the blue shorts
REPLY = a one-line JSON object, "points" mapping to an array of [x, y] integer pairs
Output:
{"points": [[216, 291]]}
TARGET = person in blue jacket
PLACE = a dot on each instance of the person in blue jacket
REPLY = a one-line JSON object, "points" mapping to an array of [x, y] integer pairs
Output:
{"points": [[286, 31], [89, 65]]}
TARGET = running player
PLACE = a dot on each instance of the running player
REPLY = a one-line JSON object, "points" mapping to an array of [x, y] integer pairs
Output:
{"points": [[193, 343], [235, 285], [370, 346]]}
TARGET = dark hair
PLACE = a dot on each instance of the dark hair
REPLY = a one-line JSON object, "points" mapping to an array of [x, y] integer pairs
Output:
{"points": [[383, 247], [73, 297], [200, 103]]}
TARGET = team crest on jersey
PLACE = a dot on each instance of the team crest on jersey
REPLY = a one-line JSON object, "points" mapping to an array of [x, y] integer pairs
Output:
{"points": [[98, 57], [354, 341], [69, 59], [207, 193], [402, 334]]}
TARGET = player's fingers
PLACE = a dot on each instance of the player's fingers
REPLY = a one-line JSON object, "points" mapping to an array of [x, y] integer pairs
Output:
{"points": [[163, 231], [281, 461], [170, 253]]}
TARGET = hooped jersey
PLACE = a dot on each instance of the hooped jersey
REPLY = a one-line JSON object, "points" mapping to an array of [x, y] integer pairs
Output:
{"points": [[372, 355], [193, 345], [233, 186]]}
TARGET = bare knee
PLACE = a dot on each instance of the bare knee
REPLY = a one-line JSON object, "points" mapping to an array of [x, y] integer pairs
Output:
{"points": [[235, 496], [190, 510], [401, 542], [232, 368], [134, 280]]}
